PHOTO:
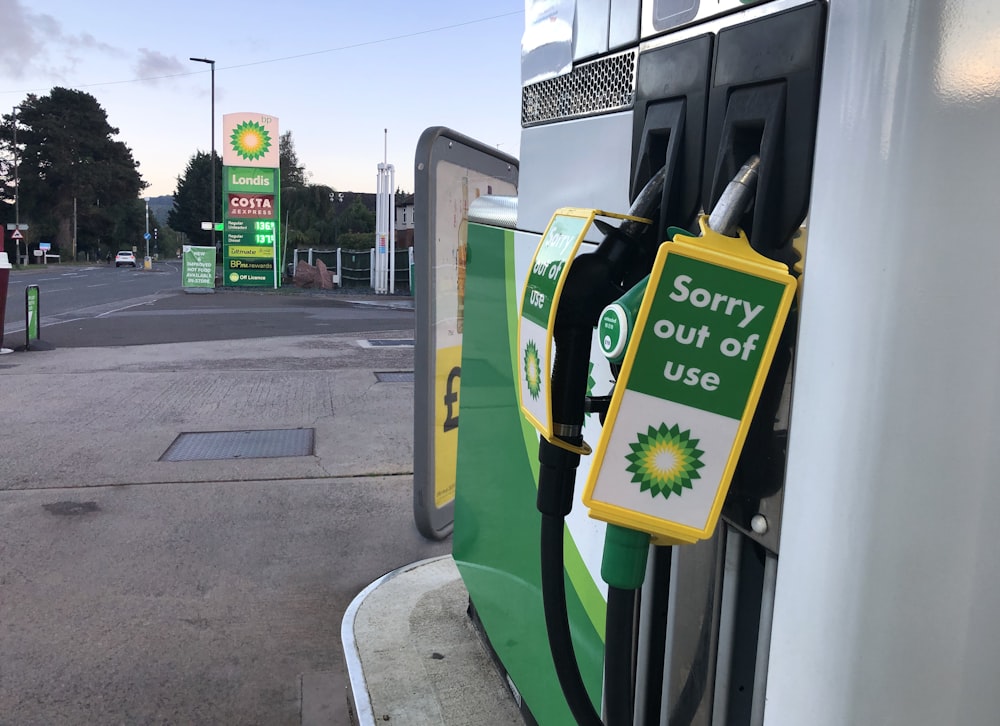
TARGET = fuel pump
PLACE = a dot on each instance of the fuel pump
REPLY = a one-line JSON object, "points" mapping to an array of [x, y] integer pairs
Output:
{"points": [[572, 298], [691, 644], [718, 404]]}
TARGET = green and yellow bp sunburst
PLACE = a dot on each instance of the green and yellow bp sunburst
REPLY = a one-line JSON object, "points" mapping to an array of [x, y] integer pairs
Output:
{"points": [[664, 460], [250, 140], [532, 369]]}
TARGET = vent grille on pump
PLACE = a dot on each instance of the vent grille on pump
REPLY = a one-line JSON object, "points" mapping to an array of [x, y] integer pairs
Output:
{"points": [[601, 86]]}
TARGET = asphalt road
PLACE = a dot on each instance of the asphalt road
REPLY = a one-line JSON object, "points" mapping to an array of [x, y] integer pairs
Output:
{"points": [[137, 590], [100, 305]]}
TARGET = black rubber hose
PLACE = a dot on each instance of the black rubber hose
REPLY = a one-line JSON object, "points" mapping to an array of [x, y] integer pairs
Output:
{"points": [[557, 623], [618, 684]]}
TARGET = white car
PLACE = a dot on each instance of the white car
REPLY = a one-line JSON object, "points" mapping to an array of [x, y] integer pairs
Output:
{"points": [[125, 257]]}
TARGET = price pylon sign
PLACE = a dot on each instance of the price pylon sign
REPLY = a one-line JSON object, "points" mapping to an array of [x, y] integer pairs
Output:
{"points": [[252, 201]]}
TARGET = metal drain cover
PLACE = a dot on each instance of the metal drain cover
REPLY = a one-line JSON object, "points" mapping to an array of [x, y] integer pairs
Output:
{"points": [[394, 376], [215, 445]]}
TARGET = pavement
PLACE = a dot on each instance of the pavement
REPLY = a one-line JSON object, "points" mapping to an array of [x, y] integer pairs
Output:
{"points": [[291, 589]]}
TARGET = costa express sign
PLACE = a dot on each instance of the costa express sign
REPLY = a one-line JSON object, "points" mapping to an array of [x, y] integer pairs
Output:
{"points": [[244, 204]]}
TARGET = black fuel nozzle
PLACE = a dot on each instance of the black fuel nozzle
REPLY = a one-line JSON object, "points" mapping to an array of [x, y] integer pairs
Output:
{"points": [[594, 280]]}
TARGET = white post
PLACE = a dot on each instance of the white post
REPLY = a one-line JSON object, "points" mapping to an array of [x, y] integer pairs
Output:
{"points": [[383, 230], [340, 270], [409, 273], [392, 229], [371, 267]]}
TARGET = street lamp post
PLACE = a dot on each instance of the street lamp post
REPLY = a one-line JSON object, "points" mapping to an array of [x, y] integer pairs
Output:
{"points": [[211, 63], [17, 189]]}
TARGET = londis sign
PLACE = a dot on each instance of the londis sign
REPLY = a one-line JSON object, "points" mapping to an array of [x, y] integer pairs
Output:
{"points": [[248, 179], [252, 193]]}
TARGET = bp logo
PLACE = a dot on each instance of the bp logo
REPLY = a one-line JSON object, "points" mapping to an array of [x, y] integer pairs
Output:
{"points": [[250, 140], [234, 277], [664, 460], [532, 369]]}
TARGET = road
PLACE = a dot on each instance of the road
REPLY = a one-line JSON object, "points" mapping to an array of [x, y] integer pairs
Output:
{"points": [[136, 589], [104, 306]]}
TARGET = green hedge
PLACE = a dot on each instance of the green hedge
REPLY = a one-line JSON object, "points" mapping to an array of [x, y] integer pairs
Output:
{"points": [[356, 240]]}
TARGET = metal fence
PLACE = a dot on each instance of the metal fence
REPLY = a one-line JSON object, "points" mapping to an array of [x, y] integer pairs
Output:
{"points": [[354, 267]]}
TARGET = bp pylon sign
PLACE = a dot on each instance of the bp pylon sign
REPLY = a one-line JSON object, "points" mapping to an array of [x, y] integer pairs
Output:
{"points": [[252, 200]]}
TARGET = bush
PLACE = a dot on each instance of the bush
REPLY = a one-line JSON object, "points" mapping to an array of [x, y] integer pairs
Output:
{"points": [[356, 240]]}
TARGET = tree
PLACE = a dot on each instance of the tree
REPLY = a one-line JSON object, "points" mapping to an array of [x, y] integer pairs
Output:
{"points": [[293, 173], [310, 216], [70, 158], [193, 198]]}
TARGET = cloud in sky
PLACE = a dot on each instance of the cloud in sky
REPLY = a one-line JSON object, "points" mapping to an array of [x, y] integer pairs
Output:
{"points": [[153, 65], [22, 37], [28, 37], [402, 65]]}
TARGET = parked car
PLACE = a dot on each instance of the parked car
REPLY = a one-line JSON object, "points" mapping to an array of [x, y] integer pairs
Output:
{"points": [[125, 257]]}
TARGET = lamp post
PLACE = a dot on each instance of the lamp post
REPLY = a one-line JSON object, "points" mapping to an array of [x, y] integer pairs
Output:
{"points": [[17, 189], [211, 63]]}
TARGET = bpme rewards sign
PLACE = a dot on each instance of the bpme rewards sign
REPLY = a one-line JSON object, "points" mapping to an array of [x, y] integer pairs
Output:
{"points": [[252, 200]]}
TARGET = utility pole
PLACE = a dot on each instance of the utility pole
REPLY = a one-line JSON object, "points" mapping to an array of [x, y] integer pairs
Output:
{"points": [[17, 190]]}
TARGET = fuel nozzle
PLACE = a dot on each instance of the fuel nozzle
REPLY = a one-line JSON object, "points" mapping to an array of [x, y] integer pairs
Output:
{"points": [[617, 320], [594, 280], [738, 194]]}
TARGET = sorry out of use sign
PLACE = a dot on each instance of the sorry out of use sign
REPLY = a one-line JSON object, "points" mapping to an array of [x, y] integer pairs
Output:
{"points": [[690, 382]]}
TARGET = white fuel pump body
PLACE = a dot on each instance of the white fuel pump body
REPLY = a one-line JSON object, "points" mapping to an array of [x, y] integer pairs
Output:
{"points": [[887, 589]]}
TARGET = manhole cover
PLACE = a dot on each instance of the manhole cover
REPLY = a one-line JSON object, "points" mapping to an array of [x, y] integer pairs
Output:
{"points": [[69, 509], [266, 444], [394, 376]]}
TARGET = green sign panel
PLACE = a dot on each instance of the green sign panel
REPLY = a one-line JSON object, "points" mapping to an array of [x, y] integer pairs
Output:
{"points": [[32, 329], [704, 335], [198, 267], [553, 253], [250, 243]]}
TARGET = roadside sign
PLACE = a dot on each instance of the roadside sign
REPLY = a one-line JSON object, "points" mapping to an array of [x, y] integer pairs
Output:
{"points": [[16, 234], [146, 236], [45, 246], [198, 267], [22, 227], [33, 325]]}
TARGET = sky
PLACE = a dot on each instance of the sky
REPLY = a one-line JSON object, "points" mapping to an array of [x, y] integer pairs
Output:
{"points": [[335, 73]]}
